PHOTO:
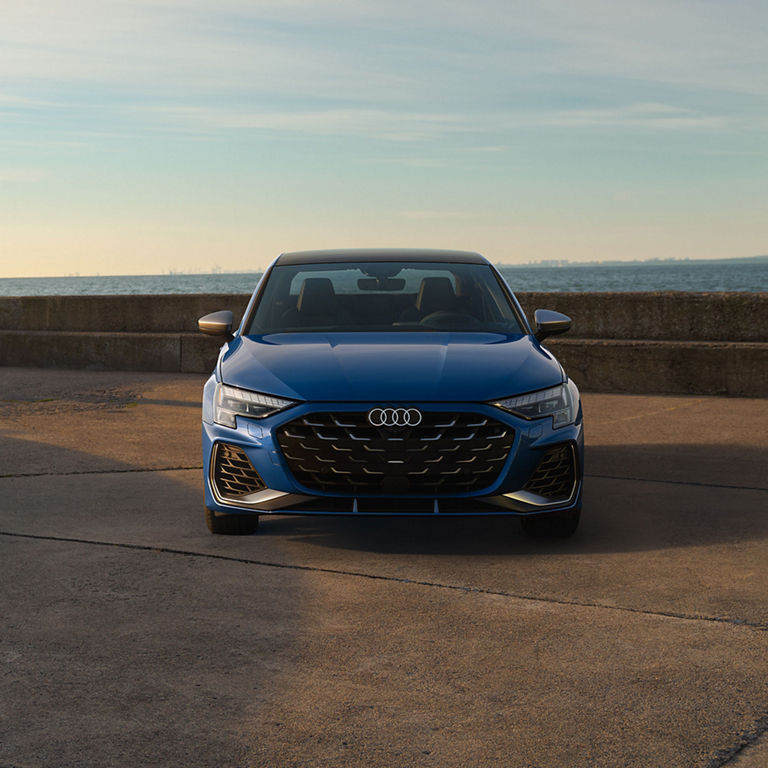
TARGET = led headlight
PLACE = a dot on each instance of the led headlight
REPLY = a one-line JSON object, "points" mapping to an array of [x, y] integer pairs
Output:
{"points": [[230, 402], [560, 402]]}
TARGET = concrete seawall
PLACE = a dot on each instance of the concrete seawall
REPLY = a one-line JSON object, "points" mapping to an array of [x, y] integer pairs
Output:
{"points": [[674, 343]]}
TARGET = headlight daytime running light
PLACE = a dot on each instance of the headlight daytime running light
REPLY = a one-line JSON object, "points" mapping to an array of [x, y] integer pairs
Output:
{"points": [[560, 402], [230, 402]]}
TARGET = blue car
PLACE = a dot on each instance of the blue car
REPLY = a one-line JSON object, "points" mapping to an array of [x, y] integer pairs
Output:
{"points": [[389, 382]]}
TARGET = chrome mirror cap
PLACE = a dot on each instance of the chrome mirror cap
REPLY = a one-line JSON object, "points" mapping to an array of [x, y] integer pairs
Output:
{"points": [[217, 323], [550, 323]]}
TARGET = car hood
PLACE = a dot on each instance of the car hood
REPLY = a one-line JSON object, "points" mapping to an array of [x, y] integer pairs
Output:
{"points": [[389, 367]]}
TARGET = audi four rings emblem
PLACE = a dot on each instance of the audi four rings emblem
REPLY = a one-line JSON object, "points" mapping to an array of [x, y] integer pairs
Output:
{"points": [[394, 417]]}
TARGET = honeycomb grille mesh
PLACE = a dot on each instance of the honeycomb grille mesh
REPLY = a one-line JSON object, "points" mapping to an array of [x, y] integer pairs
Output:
{"points": [[233, 472], [446, 453], [554, 476]]}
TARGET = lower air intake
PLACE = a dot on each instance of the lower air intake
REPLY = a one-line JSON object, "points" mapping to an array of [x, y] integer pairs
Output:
{"points": [[555, 475], [233, 472]]}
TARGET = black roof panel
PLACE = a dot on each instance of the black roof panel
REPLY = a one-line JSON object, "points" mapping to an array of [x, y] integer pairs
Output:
{"points": [[381, 254]]}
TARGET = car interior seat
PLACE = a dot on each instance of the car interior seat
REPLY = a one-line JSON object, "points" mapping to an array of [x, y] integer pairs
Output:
{"points": [[435, 295], [316, 305]]}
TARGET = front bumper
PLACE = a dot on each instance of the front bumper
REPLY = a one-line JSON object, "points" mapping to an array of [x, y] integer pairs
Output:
{"points": [[513, 490]]}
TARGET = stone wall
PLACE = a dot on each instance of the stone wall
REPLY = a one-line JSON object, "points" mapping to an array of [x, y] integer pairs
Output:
{"points": [[673, 343]]}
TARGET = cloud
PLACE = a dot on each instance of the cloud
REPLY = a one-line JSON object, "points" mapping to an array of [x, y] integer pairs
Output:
{"points": [[14, 100], [22, 175], [439, 215], [472, 75], [405, 126], [398, 49], [391, 125], [634, 116]]}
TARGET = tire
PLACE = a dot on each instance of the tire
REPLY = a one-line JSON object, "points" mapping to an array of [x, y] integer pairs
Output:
{"points": [[556, 526], [231, 525]]}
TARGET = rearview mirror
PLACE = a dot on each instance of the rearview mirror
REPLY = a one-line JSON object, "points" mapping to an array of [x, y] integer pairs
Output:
{"points": [[217, 323], [550, 323]]}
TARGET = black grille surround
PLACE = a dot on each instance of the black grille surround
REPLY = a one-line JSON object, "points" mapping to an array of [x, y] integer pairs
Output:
{"points": [[449, 452], [555, 475], [233, 473]]}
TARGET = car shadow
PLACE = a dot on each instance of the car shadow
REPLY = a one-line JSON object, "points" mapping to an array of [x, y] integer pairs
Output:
{"points": [[635, 498]]}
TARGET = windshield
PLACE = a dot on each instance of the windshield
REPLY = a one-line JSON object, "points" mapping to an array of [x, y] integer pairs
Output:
{"points": [[383, 296]]}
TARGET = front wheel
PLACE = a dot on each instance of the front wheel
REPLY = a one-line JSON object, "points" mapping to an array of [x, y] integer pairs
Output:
{"points": [[231, 525], [551, 526]]}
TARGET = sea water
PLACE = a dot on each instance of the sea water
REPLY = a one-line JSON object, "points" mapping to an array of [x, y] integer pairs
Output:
{"points": [[643, 276]]}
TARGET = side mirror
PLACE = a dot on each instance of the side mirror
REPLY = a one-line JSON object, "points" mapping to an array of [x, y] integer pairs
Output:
{"points": [[550, 323], [217, 324]]}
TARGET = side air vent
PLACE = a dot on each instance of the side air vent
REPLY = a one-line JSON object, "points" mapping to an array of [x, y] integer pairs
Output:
{"points": [[555, 475], [233, 472]]}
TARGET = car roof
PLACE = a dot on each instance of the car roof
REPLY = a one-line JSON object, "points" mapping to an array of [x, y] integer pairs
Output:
{"points": [[381, 254]]}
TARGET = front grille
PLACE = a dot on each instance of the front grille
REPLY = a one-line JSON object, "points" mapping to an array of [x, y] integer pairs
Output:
{"points": [[446, 453], [233, 472], [554, 477]]}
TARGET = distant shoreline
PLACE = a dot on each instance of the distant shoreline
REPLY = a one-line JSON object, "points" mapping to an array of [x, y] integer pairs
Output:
{"points": [[543, 264], [554, 263]]}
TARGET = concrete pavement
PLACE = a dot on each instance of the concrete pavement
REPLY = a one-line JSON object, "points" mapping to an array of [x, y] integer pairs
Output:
{"points": [[133, 637]]}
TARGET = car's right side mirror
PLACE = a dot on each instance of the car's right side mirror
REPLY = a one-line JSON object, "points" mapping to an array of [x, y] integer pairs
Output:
{"points": [[217, 324], [550, 323]]}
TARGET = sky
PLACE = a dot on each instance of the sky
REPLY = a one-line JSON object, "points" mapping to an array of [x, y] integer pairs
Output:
{"points": [[192, 135]]}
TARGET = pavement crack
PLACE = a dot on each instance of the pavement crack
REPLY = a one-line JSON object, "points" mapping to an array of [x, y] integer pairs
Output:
{"points": [[746, 739], [397, 579], [677, 482], [99, 472]]}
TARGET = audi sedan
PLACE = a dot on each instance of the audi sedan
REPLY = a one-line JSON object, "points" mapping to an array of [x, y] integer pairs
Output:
{"points": [[389, 382]]}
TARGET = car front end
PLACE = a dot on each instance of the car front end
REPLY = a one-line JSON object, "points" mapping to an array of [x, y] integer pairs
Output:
{"points": [[412, 419]]}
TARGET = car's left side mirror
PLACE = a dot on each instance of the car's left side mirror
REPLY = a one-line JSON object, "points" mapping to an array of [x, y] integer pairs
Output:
{"points": [[550, 323], [217, 324]]}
